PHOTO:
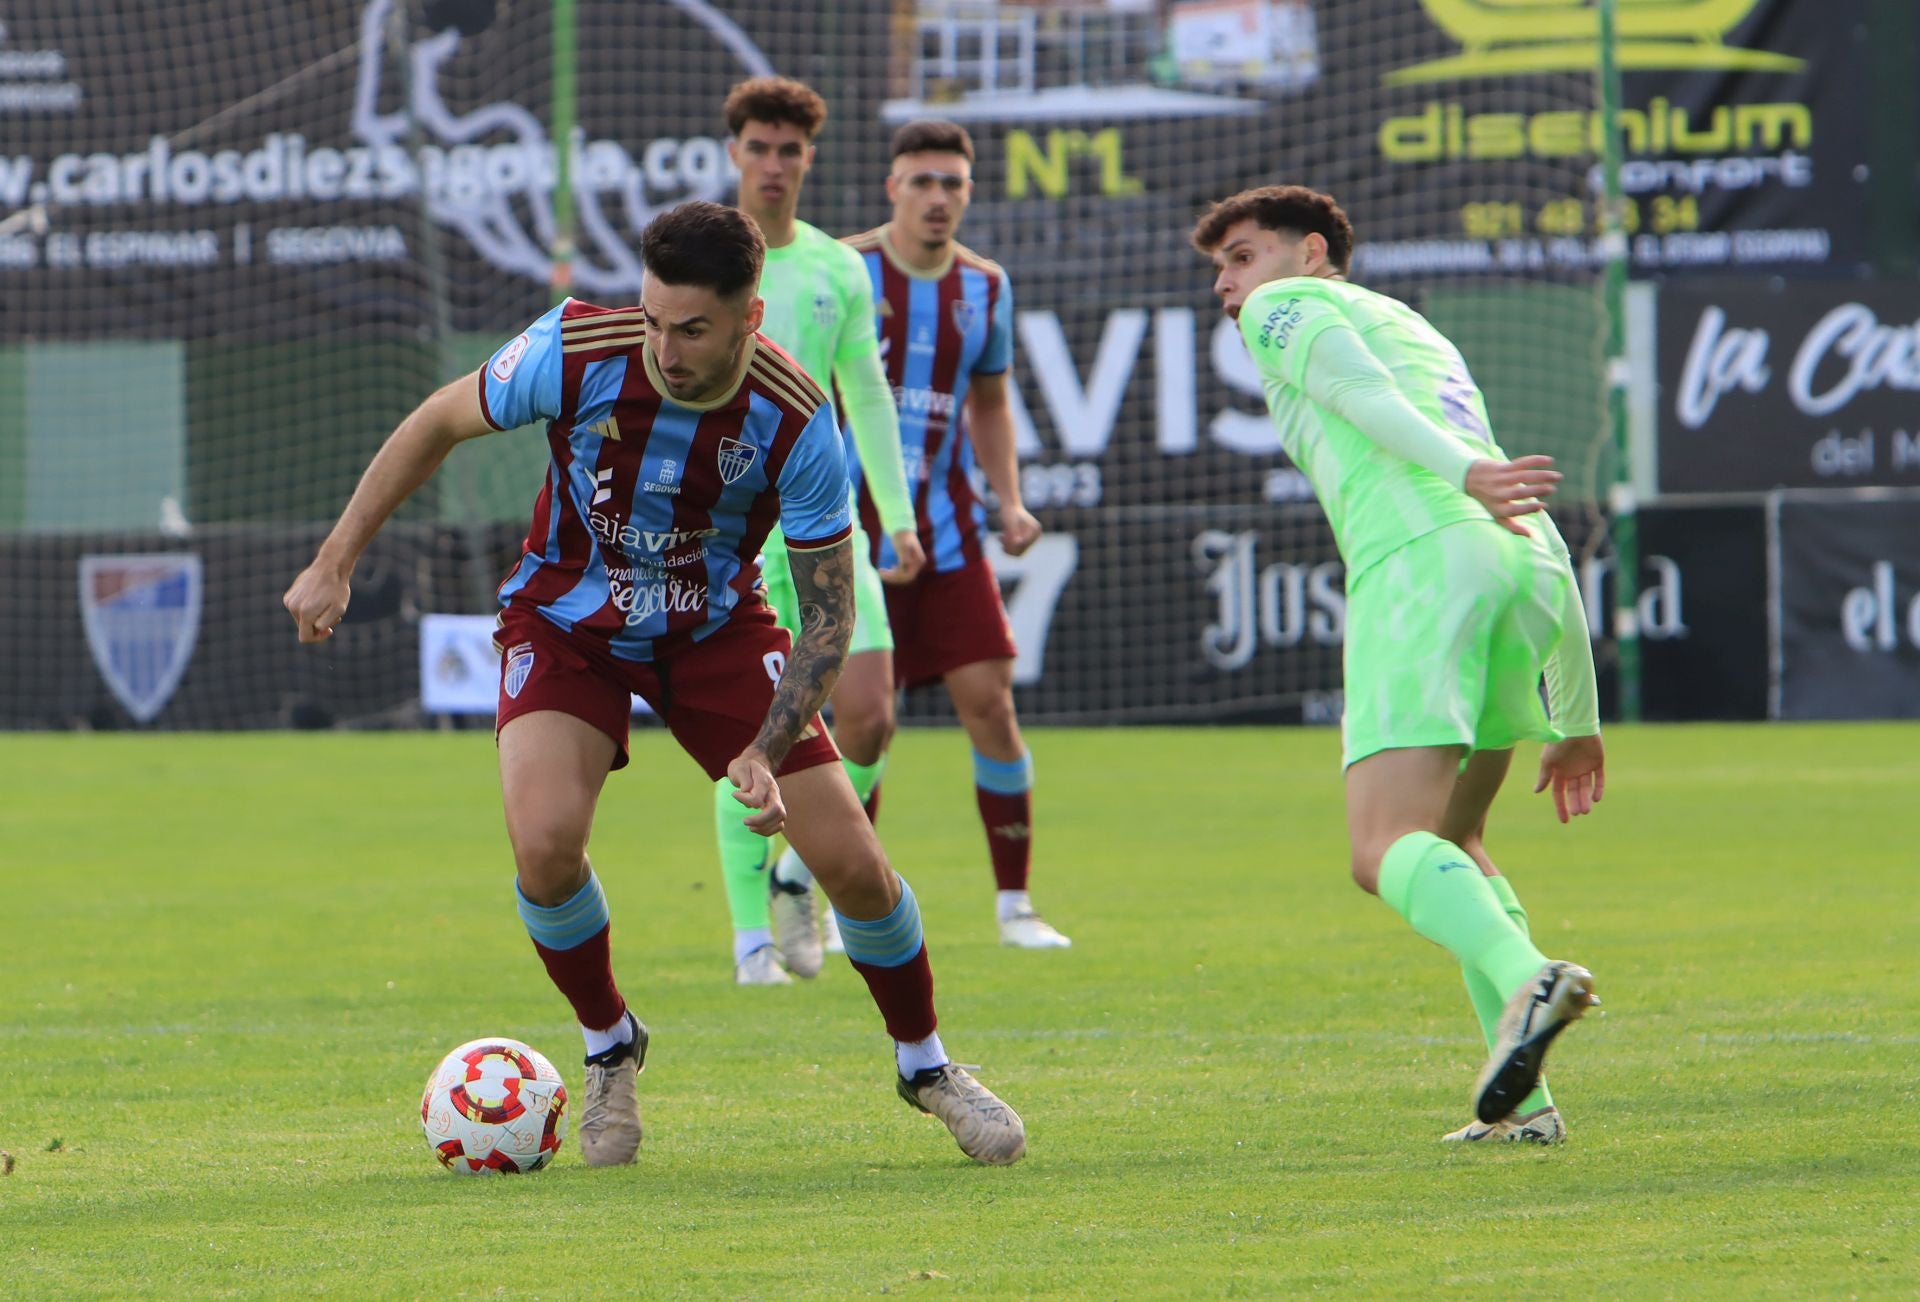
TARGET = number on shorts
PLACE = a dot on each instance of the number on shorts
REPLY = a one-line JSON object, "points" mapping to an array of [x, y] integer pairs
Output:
{"points": [[776, 663]]}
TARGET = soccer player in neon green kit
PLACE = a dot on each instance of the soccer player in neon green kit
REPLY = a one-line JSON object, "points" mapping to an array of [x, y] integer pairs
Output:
{"points": [[819, 307], [1460, 597]]}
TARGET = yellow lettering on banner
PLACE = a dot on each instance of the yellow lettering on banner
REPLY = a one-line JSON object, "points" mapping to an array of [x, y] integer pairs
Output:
{"points": [[1445, 131], [1050, 170]]}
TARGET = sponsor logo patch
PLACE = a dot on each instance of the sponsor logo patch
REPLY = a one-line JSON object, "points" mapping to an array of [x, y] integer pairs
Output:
{"points": [[508, 361]]}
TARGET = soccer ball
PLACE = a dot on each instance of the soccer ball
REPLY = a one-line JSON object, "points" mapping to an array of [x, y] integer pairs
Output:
{"points": [[494, 1105]]}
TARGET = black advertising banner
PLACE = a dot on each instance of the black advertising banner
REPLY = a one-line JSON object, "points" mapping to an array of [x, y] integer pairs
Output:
{"points": [[1849, 608], [1766, 385], [1702, 612], [174, 633], [1742, 131]]}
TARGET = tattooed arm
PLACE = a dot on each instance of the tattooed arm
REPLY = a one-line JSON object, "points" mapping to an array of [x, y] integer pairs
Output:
{"points": [[823, 588]]}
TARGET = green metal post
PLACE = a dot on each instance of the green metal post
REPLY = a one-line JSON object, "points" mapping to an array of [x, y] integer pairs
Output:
{"points": [[564, 63], [1623, 508]]}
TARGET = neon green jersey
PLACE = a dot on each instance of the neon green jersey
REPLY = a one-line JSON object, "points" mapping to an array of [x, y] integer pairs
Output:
{"points": [[1376, 498], [819, 307]]}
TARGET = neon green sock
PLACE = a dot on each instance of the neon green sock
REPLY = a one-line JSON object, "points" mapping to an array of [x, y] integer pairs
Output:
{"points": [[1487, 1003], [865, 777], [1443, 895], [743, 860]]}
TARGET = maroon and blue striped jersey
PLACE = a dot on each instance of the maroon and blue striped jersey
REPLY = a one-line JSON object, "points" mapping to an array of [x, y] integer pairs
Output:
{"points": [[938, 329], [646, 533]]}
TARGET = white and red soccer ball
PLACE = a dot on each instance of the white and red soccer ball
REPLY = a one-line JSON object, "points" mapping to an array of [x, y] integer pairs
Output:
{"points": [[494, 1106]]}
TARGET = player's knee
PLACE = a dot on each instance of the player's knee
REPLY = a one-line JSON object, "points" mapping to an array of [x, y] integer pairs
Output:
{"points": [[864, 730], [859, 881], [551, 862], [1365, 866], [990, 716]]}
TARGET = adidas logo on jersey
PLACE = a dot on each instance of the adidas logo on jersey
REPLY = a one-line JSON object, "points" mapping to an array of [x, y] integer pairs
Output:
{"points": [[607, 428]]}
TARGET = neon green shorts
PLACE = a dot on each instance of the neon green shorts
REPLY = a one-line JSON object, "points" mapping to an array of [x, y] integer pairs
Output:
{"points": [[1446, 639], [871, 632]]}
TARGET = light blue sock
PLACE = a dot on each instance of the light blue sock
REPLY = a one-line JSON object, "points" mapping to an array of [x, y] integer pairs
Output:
{"points": [[884, 942]]}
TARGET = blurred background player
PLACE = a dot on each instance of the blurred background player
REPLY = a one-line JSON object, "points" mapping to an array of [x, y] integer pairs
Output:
{"points": [[1455, 610], [819, 307], [946, 335], [623, 588]]}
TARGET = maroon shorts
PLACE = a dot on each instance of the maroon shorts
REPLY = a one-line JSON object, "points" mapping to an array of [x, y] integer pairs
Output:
{"points": [[943, 621], [713, 695]]}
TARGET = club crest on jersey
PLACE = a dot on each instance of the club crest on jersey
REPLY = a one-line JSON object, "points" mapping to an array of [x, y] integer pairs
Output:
{"points": [[964, 314], [823, 313], [142, 616], [736, 458], [519, 666]]}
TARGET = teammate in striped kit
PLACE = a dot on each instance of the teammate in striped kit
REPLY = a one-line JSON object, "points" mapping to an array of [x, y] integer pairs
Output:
{"points": [[945, 318], [819, 306], [678, 436]]}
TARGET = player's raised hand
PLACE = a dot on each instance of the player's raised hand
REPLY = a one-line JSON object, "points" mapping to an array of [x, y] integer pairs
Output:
{"points": [[1576, 769], [317, 601], [1512, 488], [753, 777], [912, 558], [1018, 529]]}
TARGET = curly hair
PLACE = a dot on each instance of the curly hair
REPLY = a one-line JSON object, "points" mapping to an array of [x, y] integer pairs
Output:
{"points": [[1292, 208], [776, 100]]}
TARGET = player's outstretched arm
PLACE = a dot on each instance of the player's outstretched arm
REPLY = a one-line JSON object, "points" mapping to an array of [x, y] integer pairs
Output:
{"points": [[823, 589], [1576, 768], [318, 597], [990, 426]]}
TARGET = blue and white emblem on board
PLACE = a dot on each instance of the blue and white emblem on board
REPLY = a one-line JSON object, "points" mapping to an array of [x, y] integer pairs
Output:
{"points": [[142, 616]]}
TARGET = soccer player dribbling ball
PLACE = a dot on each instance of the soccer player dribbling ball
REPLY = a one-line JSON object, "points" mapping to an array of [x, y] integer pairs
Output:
{"points": [[1460, 596], [678, 436], [819, 307]]}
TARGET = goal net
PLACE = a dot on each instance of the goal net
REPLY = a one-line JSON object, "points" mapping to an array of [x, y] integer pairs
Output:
{"points": [[239, 242]]}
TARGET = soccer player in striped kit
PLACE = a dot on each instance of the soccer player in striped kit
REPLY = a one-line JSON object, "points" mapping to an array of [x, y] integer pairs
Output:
{"points": [[679, 435], [945, 318]]}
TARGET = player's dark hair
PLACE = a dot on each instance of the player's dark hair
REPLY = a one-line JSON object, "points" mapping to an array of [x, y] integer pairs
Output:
{"points": [[1292, 208], [776, 100], [932, 136], [705, 244]]}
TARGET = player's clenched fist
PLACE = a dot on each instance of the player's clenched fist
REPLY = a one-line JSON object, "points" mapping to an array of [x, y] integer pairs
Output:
{"points": [[757, 790], [1018, 529], [317, 601]]}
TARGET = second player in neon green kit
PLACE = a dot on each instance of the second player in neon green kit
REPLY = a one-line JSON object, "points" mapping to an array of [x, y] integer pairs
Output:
{"points": [[819, 307], [1456, 609]]}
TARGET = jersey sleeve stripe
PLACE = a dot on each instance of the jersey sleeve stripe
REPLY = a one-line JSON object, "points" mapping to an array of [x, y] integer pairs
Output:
{"points": [[486, 412], [834, 539], [784, 387], [633, 340], [595, 320], [794, 371], [601, 331]]}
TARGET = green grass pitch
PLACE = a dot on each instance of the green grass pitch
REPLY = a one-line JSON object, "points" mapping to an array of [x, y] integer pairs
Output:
{"points": [[229, 963]]}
